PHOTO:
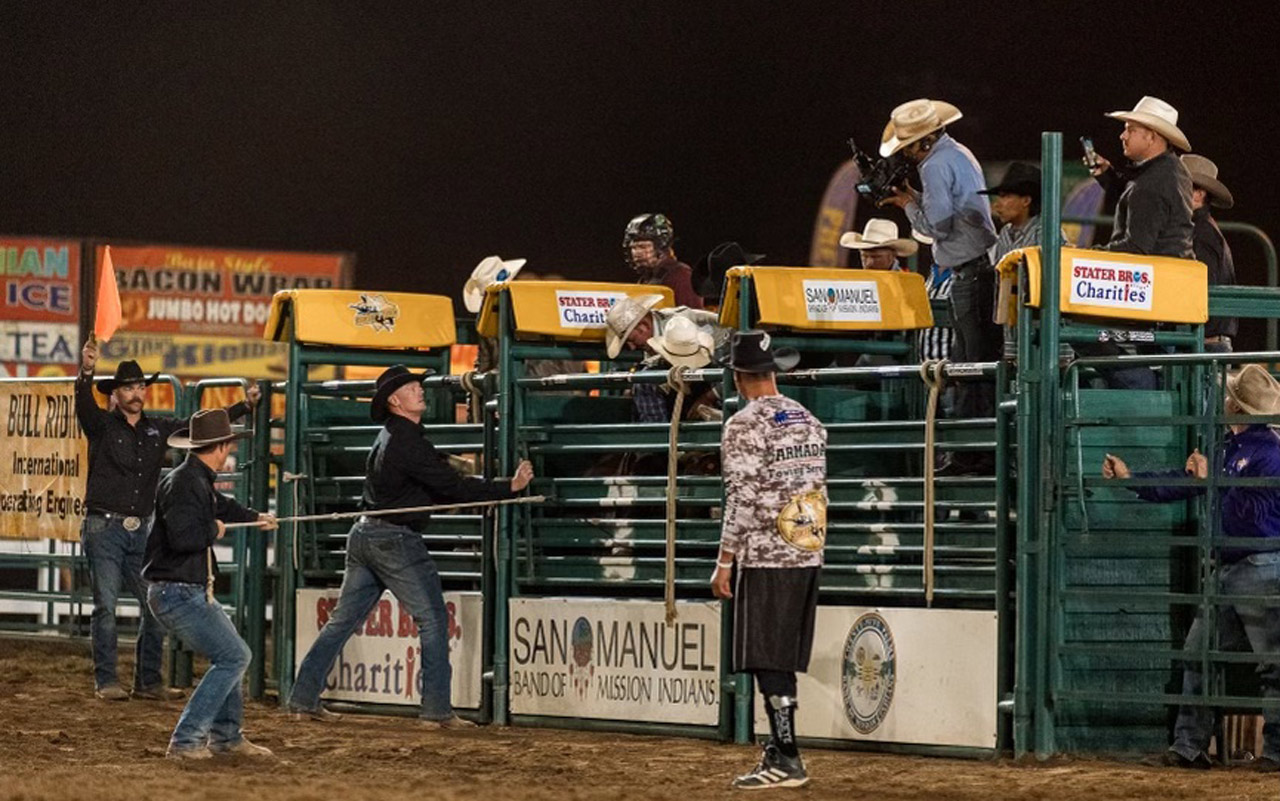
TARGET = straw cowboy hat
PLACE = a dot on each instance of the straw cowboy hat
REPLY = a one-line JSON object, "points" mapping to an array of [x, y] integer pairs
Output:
{"points": [[683, 344], [622, 319], [1159, 116], [1254, 390], [207, 427], [490, 270], [392, 378], [879, 233], [1204, 174], [913, 121], [127, 372]]}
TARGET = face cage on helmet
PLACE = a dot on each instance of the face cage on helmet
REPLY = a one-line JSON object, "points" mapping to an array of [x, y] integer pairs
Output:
{"points": [[661, 243]]}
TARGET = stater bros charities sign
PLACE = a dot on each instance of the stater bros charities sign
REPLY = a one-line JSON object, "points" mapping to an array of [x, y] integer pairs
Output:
{"points": [[585, 309], [842, 301], [382, 662], [615, 660], [1119, 285]]}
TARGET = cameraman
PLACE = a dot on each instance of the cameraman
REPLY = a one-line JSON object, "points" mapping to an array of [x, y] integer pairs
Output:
{"points": [[950, 209]]}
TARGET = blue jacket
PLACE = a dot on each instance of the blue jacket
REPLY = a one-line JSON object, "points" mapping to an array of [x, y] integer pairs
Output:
{"points": [[1246, 511]]}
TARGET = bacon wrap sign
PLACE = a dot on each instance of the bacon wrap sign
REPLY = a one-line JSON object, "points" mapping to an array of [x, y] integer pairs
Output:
{"points": [[40, 322], [200, 311], [46, 462]]}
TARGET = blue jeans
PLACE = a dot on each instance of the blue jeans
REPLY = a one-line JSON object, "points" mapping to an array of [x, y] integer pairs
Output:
{"points": [[383, 556], [115, 563], [216, 709], [1240, 627]]}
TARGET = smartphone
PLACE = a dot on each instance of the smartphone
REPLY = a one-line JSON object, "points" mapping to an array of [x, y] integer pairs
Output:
{"points": [[1090, 155]]}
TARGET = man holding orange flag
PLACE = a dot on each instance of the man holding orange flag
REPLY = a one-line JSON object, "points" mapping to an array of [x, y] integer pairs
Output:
{"points": [[127, 449]]}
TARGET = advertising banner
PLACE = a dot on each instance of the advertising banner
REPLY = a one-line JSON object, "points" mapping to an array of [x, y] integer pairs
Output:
{"points": [[40, 316], [382, 662], [615, 660], [918, 676], [46, 462]]}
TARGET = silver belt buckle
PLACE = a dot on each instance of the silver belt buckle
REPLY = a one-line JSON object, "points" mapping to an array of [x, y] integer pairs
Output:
{"points": [[132, 523]]}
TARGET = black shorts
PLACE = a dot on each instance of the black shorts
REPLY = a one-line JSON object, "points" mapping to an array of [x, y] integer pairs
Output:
{"points": [[773, 617]]}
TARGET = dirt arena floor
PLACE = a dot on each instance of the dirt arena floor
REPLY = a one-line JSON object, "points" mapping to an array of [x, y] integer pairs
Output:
{"points": [[57, 742]]}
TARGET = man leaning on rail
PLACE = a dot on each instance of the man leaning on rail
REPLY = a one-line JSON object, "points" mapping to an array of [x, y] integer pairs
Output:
{"points": [[1251, 513], [127, 448], [404, 471]]}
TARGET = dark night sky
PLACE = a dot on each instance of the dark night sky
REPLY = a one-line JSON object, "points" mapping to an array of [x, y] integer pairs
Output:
{"points": [[426, 136]]}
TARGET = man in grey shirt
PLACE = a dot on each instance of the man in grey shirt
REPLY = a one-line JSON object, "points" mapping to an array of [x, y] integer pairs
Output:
{"points": [[949, 208], [1016, 204]]}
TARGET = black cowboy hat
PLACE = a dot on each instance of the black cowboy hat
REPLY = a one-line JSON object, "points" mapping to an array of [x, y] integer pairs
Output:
{"points": [[207, 427], [126, 373], [1020, 179], [750, 353], [708, 273], [392, 378]]}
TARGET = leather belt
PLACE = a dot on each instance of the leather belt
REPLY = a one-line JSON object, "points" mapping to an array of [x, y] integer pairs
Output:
{"points": [[130, 522]]}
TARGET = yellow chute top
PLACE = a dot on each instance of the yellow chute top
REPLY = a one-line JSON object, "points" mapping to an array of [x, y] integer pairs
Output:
{"points": [[824, 299], [564, 310], [361, 319]]}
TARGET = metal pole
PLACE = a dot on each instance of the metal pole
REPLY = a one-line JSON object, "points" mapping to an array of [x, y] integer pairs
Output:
{"points": [[503, 533], [285, 545], [1050, 394]]}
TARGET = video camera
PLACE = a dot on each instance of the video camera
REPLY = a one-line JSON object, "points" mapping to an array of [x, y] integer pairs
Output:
{"points": [[877, 178]]}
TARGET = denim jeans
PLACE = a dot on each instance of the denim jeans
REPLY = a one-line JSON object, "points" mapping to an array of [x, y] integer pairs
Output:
{"points": [[216, 709], [1240, 627], [115, 564], [382, 556]]}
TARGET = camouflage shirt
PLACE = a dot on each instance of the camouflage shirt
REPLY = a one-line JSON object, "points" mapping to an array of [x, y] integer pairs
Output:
{"points": [[774, 456]]}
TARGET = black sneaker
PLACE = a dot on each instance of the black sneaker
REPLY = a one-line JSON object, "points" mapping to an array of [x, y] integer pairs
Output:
{"points": [[1172, 759], [774, 770], [1263, 765]]}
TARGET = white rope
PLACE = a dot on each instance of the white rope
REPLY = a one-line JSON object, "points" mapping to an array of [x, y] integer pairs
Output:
{"points": [[677, 382], [384, 512], [931, 372]]}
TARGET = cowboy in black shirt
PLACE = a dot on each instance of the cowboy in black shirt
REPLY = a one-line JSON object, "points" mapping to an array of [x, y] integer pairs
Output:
{"points": [[1210, 245], [126, 452], [404, 470], [190, 517]]}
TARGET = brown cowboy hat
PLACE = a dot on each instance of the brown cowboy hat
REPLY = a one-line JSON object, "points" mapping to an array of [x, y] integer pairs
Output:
{"points": [[1254, 390], [1204, 174], [207, 427]]}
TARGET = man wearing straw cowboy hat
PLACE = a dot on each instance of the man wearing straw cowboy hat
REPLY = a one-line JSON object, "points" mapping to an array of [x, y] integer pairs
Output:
{"points": [[774, 454], [1153, 214], [1210, 245], [126, 451], [879, 246], [949, 209], [1248, 513], [404, 471], [190, 517]]}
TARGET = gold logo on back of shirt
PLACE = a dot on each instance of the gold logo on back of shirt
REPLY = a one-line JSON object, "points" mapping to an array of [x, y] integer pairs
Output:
{"points": [[803, 521]]}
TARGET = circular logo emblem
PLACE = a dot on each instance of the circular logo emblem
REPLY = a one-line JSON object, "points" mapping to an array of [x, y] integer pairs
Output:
{"points": [[803, 522], [580, 668], [869, 672], [831, 295]]}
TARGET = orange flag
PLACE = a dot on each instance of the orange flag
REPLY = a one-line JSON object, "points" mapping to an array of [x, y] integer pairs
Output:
{"points": [[108, 311]]}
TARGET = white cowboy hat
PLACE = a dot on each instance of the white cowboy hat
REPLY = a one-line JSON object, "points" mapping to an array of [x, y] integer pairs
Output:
{"points": [[923, 239], [1159, 116], [1254, 390], [683, 344], [913, 121], [622, 319], [1204, 174], [879, 233], [490, 270]]}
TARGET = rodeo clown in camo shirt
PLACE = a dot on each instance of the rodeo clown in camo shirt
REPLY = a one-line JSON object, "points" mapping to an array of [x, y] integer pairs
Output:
{"points": [[774, 454]]}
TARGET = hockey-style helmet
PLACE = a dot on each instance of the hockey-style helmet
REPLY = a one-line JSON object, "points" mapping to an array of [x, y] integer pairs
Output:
{"points": [[655, 228]]}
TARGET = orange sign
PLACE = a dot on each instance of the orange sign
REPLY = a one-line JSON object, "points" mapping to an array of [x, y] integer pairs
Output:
{"points": [[170, 289]]}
